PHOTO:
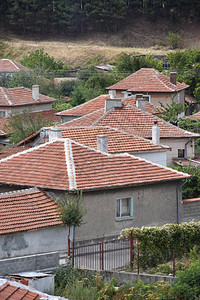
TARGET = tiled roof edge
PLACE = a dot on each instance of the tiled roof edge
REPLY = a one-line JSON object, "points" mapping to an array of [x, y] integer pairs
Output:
{"points": [[6, 96], [19, 192], [14, 64], [81, 105], [134, 156], [70, 164], [104, 116]]}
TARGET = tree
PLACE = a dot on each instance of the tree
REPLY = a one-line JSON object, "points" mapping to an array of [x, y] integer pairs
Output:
{"points": [[22, 125], [171, 112], [71, 212]]}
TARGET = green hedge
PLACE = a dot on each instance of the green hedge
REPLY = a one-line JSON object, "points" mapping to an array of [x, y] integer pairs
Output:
{"points": [[156, 244]]}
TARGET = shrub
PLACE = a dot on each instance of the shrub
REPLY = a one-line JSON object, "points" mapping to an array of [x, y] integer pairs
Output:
{"points": [[173, 40], [157, 243]]}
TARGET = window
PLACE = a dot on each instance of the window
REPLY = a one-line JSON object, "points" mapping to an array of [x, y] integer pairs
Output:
{"points": [[2, 113], [181, 152], [124, 208], [147, 98]]}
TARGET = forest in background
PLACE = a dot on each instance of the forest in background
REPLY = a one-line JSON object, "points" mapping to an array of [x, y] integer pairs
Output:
{"points": [[79, 16]]}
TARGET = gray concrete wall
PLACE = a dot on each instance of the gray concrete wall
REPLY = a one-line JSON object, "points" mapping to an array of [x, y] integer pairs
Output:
{"points": [[153, 204], [128, 277], [191, 211], [176, 144], [68, 118], [157, 157], [31, 108], [33, 242]]}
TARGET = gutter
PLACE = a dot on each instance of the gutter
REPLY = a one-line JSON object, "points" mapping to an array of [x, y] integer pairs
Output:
{"points": [[177, 199]]}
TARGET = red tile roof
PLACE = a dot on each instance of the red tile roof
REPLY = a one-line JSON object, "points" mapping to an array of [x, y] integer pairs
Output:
{"points": [[189, 99], [148, 80], [27, 210], [49, 115], [5, 152], [194, 117], [132, 120], [21, 96], [118, 142], [9, 66], [98, 103], [66, 165]]}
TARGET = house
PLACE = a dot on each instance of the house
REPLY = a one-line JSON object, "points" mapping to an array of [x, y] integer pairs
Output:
{"points": [[156, 87], [131, 119], [97, 104], [8, 67], [119, 190], [17, 100], [28, 221], [117, 141], [12, 290]]}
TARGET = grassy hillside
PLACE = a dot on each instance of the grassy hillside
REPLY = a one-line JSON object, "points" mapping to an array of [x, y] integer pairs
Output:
{"points": [[139, 37]]}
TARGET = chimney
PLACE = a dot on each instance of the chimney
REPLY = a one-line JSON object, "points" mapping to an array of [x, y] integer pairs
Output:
{"points": [[141, 102], [112, 103], [112, 94], [102, 143], [125, 94], [35, 92], [54, 133], [156, 133], [173, 77]]}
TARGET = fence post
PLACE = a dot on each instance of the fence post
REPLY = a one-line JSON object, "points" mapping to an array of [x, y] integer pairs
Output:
{"points": [[131, 250], [100, 260], [102, 253], [174, 270], [73, 254], [138, 258], [68, 246]]}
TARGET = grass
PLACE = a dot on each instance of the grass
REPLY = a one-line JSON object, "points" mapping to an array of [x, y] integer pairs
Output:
{"points": [[74, 52]]}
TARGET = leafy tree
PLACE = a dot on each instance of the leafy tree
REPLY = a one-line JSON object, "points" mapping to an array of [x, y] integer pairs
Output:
{"points": [[172, 111], [191, 188], [44, 64], [130, 64], [22, 125], [187, 65], [71, 212]]}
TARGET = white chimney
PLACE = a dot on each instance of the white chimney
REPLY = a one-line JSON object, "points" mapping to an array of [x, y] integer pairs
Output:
{"points": [[112, 94], [35, 92], [102, 143], [173, 77], [125, 94], [54, 133], [141, 103], [112, 103], [156, 133]]}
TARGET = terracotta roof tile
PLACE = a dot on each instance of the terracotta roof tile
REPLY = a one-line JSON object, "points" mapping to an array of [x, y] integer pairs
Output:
{"points": [[194, 117], [98, 104], [191, 200], [20, 96], [66, 165], [148, 80], [9, 66], [132, 120], [5, 152], [118, 142], [49, 115], [27, 210]]}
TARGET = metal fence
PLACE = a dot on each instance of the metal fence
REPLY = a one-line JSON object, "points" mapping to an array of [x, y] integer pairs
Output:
{"points": [[113, 254]]}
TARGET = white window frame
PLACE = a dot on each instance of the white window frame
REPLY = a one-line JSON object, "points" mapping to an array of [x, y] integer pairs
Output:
{"points": [[120, 217], [147, 98]]}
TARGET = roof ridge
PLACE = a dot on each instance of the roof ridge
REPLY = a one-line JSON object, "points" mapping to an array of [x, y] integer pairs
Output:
{"points": [[104, 116], [70, 164], [14, 64], [16, 192], [164, 83], [129, 155], [6, 96], [161, 120]]}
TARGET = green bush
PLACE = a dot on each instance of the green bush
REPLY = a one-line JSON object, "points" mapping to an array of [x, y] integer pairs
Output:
{"points": [[156, 244], [173, 40]]}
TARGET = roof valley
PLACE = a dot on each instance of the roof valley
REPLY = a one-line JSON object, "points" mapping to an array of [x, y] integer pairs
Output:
{"points": [[6, 96]]}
